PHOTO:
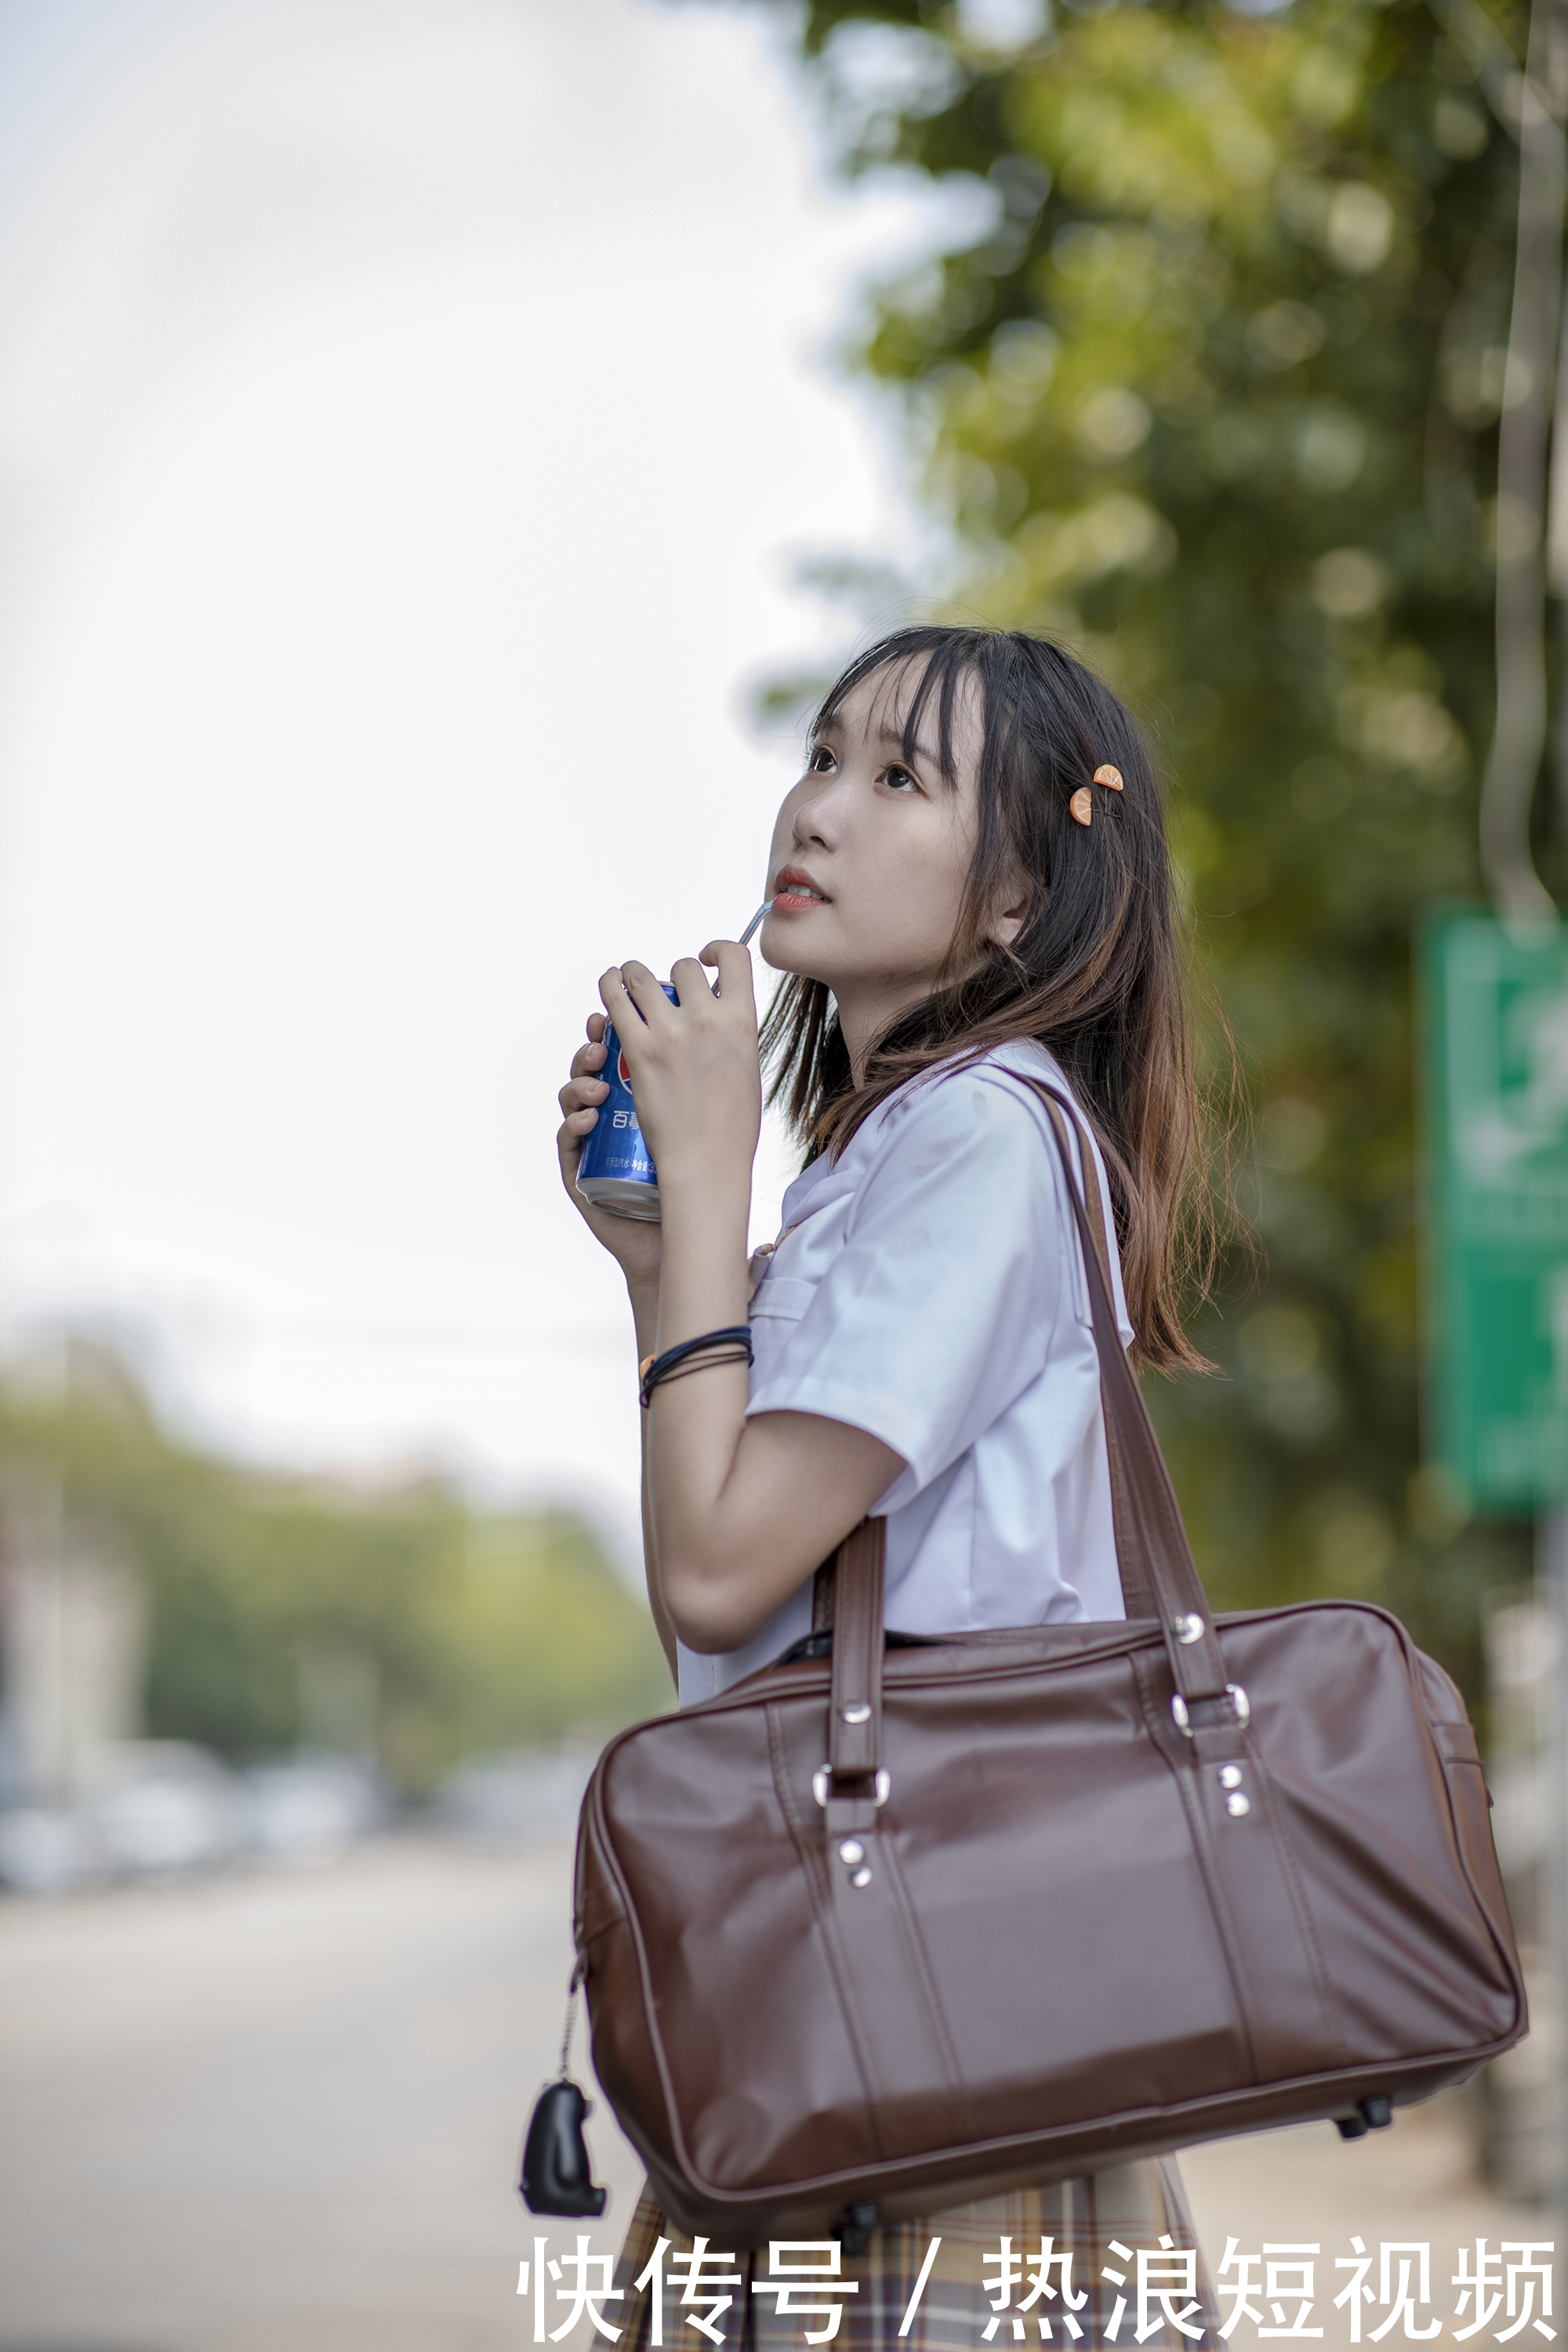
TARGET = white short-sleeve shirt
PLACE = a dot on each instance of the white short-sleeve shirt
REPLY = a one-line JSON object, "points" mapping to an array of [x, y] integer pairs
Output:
{"points": [[928, 1286]]}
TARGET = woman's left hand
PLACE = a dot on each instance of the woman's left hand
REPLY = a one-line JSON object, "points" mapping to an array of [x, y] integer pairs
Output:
{"points": [[694, 1067]]}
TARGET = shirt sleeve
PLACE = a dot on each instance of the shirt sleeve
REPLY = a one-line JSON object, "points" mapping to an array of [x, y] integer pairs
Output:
{"points": [[939, 1311]]}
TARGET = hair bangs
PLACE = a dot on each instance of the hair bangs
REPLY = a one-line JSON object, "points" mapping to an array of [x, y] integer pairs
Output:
{"points": [[946, 668]]}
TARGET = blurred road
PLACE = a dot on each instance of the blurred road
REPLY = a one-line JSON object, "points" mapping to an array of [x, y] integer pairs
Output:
{"points": [[281, 2114], [279, 2111]]}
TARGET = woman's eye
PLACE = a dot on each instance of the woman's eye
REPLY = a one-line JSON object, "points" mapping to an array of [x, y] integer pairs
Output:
{"points": [[820, 761], [898, 780]]}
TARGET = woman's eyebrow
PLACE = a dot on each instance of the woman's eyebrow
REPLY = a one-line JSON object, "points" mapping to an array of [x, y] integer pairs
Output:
{"points": [[889, 737], [894, 737]]}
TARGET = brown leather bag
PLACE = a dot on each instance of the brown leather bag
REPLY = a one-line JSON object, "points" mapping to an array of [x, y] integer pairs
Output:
{"points": [[867, 1935]]}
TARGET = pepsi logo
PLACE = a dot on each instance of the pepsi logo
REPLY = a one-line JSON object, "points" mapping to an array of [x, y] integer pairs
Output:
{"points": [[621, 1070]]}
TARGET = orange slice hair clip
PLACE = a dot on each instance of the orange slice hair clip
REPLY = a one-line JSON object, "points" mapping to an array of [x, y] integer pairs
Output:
{"points": [[1081, 805]]}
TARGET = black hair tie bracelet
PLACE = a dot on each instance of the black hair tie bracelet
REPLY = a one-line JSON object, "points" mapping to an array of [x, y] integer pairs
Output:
{"points": [[730, 1346]]}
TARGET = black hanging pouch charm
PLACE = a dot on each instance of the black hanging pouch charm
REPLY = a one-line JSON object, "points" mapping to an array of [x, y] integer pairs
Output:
{"points": [[557, 2176]]}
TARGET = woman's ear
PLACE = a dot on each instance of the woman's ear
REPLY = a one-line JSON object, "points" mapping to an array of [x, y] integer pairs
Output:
{"points": [[1014, 901]]}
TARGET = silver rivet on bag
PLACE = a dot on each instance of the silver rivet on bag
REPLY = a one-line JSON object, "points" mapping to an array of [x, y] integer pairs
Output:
{"points": [[858, 1713], [1235, 1804], [851, 1851], [1188, 1628], [1230, 1776], [860, 1878]]}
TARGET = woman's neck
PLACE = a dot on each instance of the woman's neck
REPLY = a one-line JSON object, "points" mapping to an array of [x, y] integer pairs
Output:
{"points": [[867, 1010]]}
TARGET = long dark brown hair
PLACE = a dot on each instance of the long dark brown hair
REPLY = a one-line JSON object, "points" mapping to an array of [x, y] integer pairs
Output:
{"points": [[1096, 974]]}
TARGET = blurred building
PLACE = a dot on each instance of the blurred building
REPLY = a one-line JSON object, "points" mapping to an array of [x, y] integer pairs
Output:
{"points": [[72, 1649]]}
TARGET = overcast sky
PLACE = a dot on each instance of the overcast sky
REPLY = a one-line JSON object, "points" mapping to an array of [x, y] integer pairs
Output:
{"points": [[411, 414]]}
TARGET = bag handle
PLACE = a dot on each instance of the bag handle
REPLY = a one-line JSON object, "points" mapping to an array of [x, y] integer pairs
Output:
{"points": [[1137, 1593], [1138, 1599], [1153, 1515], [1153, 1550]]}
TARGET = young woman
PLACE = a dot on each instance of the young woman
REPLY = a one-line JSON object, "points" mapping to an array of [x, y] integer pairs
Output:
{"points": [[970, 888]]}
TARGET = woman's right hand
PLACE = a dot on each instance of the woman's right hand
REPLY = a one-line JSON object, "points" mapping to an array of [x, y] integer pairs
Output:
{"points": [[636, 1245]]}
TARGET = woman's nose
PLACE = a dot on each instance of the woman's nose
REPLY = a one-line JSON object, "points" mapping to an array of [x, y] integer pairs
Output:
{"points": [[815, 817]]}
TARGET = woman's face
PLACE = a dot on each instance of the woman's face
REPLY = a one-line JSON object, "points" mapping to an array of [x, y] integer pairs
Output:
{"points": [[871, 849]]}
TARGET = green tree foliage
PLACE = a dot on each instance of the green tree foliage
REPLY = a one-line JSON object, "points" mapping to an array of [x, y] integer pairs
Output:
{"points": [[473, 1630], [1214, 397]]}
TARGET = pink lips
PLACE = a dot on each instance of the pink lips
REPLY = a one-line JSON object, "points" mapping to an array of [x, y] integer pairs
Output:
{"points": [[789, 901]]}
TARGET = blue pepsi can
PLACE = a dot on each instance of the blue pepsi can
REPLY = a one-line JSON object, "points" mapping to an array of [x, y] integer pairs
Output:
{"points": [[615, 1170]]}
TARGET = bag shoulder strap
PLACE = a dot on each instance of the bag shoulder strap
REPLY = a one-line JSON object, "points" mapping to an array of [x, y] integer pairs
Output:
{"points": [[1151, 1515], [1153, 1552], [1137, 1593]]}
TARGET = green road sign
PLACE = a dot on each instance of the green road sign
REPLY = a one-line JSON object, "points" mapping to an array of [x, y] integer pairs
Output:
{"points": [[1496, 1061]]}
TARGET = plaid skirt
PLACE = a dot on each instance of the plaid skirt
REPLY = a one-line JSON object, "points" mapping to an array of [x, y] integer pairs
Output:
{"points": [[1107, 2258]]}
